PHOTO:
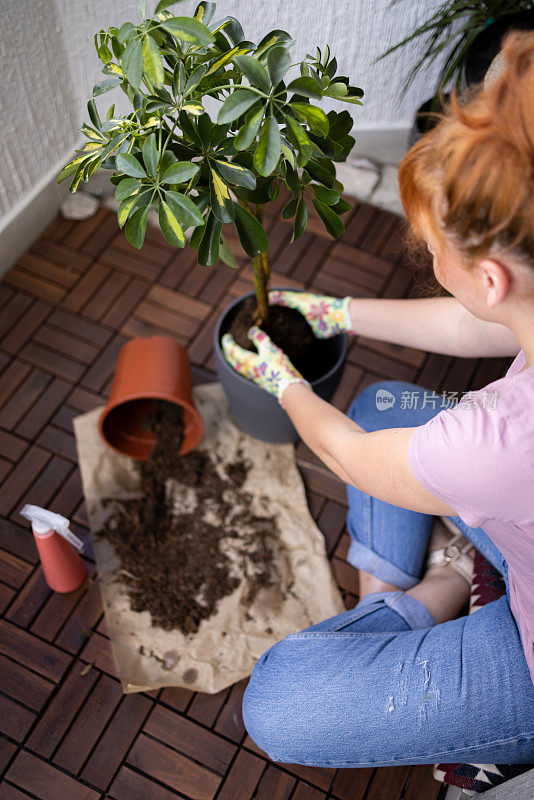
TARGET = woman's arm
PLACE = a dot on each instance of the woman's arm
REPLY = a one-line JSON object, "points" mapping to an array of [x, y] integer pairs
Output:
{"points": [[376, 463], [438, 324]]}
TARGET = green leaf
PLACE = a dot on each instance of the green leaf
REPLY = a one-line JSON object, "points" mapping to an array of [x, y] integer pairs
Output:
{"points": [[254, 71], [170, 227], [178, 79], [333, 224], [342, 206], [136, 227], [163, 4], [180, 172], [194, 79], [226, 255], [308, 87], [188, 29], [184, 209], [235, 174], [337, 90], [268, 150], [125, 32], [221, 203], [301, 139], [320, 173], [315, 117], [105, 86], [327, 196], [250, 129], [235, 105], [250, 231], [93, 114], [151, 155], [132, 63], [232, 29], [301, 220], [152, 65], [123, 212], [126, 188], [208, 249], [278, 63], [289, 210], [130, 165]]}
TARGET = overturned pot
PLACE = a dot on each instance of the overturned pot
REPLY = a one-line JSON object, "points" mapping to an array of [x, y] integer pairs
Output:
{"points": [[148, 371], [256, 411]]}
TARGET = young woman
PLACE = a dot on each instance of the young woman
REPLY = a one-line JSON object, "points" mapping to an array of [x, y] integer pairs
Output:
{"points": [[398, 679]]}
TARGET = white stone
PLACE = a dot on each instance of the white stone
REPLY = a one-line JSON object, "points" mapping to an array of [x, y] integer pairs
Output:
{"points": [[79, 206]]}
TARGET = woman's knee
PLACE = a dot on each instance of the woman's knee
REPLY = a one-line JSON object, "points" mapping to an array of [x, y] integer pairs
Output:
{"points": [[368, 406]]}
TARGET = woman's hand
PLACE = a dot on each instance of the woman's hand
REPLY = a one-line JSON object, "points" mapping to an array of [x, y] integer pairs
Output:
{"points": [[326, 315], [270, 368]]}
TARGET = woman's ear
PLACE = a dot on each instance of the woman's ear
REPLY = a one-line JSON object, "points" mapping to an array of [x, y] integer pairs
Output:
{"points": [[496, 281]]}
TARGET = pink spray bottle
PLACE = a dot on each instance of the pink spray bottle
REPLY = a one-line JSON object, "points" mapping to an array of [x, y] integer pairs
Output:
{"points": [[63, 568]]}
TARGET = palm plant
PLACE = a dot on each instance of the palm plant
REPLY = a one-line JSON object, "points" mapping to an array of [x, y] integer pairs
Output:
{"points": [[198, 173], [450, 30]]}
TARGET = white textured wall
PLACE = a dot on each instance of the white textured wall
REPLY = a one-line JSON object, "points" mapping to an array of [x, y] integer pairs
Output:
{"points": [[49, 67]]}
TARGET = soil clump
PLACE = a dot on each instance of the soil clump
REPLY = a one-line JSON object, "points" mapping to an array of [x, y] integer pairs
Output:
{"points": [[175, 563], [290, 331]]}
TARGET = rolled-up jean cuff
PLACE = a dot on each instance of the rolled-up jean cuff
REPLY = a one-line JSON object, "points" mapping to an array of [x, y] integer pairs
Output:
{"points": [[413, 611], [362, 557]]}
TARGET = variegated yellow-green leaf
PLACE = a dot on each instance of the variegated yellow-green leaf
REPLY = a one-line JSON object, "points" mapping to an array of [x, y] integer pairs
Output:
{"points": [[113, 69], [221, 203], [235, 174], [228, 56], [314, 116], [125, 188], [184, 209], [193, 108], [125, 208], [152, 65], [71, 167], [170, 227], [301, 139]]}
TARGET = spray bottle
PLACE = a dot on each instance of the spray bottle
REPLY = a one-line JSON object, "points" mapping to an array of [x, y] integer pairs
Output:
{"points": [[63, 568]]}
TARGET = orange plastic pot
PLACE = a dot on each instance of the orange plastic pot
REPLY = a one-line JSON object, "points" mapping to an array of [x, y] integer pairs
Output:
{"points": [[148, 370]]}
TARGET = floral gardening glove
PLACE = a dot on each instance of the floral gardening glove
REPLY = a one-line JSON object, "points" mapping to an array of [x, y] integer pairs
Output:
{"points": [[326, 315], [270, 368]]}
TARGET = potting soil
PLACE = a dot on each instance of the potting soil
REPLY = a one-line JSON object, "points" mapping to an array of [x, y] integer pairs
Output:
{"points": [[290, 331], [172, 560], [259, 495]]}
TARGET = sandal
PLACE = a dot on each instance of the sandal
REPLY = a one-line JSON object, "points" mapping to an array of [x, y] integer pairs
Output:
{"points": [[454, 553]]}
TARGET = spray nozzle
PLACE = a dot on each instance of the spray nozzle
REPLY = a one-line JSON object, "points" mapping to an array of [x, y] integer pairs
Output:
{"points": [[44, 521]]}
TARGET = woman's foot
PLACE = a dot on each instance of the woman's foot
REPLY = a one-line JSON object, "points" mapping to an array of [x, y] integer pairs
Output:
{"points": [[443, 590]]}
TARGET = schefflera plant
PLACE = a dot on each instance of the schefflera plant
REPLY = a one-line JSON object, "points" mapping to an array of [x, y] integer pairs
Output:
{"points": [[201, 173]]}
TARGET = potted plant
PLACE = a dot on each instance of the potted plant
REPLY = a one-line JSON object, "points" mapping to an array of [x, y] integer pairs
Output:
{"points": [[457, 29], [202, 171]]}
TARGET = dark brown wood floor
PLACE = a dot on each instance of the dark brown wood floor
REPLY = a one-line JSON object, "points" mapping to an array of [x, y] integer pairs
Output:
{"points": [[66, 309]]}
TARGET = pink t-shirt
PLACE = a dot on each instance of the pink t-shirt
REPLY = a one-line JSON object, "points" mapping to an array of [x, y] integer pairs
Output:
{"points": [[478, 457]]}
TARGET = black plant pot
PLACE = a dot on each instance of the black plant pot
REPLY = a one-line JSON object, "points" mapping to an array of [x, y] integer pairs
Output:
{"points": [[425, 119], [487, 44], [256, 411]]}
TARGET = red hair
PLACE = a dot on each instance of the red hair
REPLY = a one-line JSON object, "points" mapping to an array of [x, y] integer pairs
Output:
{"points": [[470, 181]]}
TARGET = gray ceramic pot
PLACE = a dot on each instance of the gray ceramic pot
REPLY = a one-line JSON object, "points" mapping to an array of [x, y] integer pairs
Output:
{"points": [[256, 411]]}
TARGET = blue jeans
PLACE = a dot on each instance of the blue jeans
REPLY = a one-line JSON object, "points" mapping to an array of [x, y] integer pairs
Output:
{"points": [[382, 684]]}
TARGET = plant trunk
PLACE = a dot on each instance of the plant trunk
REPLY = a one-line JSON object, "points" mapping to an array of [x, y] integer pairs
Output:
{"points": [[262, 278]]}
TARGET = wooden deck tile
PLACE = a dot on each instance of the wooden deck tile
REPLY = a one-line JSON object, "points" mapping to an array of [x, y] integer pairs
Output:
{"points": [[78, 295]]}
